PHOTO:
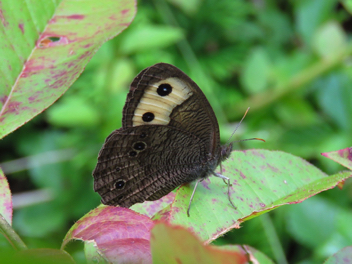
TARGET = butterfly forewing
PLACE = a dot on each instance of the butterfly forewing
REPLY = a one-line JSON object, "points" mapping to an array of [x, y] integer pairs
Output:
{"points": [[190, 110]]}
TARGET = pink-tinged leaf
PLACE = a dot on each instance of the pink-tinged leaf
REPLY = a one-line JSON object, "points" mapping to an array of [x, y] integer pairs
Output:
{"points": [[340, 185], [45, 46], [5, 198], [314, 187], [344, 256], [261, 181], [150, 208], [121, 235], [342, 156], [175, 244], [37, 256], [254, 255]]}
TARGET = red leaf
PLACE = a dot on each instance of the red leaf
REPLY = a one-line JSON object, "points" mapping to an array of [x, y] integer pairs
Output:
{"points": [[119, 233]]}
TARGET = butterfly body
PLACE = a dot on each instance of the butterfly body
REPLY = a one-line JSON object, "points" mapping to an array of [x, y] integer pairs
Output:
{"points": [[169, 136]]}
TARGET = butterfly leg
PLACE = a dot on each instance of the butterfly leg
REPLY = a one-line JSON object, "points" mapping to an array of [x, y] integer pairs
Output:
{"points": [[224, 179], [227, 180], [194, 190]]}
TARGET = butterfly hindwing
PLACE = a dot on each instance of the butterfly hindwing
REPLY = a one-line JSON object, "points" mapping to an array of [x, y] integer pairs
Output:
{"points": [[145, 163]]}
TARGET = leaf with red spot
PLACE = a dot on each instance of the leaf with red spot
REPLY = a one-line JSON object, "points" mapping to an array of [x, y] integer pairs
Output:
{"points": [[342, 156], [261, 181], [341, 257], [118, 233], [5, 198], [44, 47], [175, 244], [150, 208]]}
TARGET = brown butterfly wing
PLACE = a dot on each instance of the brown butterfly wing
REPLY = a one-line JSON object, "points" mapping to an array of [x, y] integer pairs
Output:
{"points": [[145, 163], [189, 109], [168, 137]]}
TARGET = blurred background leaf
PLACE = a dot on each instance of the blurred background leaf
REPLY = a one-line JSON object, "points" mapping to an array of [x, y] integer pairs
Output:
{"points": [[287, 60]]}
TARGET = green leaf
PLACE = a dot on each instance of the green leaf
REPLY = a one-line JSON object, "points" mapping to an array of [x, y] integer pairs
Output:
{"points": [[341, 257], [190, 7], [73, 111], [37, 256], [333, 88], [147, 37], [348, 5], [261, 181], [5, 198], [38, 67], [296, 113], [325, 234], [33, 220], [150, 208], [92, 253], [171, 244], [306, 224], [310, 15], [329, 40], [255, 73]]}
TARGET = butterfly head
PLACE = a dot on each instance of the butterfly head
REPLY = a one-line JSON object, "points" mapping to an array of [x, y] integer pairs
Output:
{"points": [[225, 151]]}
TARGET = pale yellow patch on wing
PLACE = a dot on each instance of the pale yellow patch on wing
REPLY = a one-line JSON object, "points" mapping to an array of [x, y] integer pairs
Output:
{"points": [[161, 106]]}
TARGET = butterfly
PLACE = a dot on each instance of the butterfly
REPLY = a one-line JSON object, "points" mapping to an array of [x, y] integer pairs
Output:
{"points": [[169, 136]]}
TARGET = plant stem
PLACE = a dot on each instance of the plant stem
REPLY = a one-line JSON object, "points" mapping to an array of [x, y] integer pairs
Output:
{"points": [[11, 235], [297, 81], [273, 239]]}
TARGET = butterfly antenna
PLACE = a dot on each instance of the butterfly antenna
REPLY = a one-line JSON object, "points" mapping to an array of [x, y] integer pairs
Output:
{"points": [[238, 125], [226, 179]]}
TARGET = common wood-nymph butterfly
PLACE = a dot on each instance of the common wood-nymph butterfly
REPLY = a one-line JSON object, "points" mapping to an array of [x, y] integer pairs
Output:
{"points": [[169, 136]]}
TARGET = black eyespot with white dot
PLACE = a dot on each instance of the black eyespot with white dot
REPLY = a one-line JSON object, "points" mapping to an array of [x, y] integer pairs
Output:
{"points": [[164, 89], [148, 117], [119, 184], [132, 153], [142, 135], [117, 169], [139, 146]]}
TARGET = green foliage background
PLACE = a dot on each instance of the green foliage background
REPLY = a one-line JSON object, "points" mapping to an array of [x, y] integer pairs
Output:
{"points": [[287, 60]]}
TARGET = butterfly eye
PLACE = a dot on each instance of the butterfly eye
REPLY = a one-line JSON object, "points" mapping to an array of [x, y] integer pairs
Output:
{"points": [[139, 146], [120, 184], [164, 89], [148, 117]]}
